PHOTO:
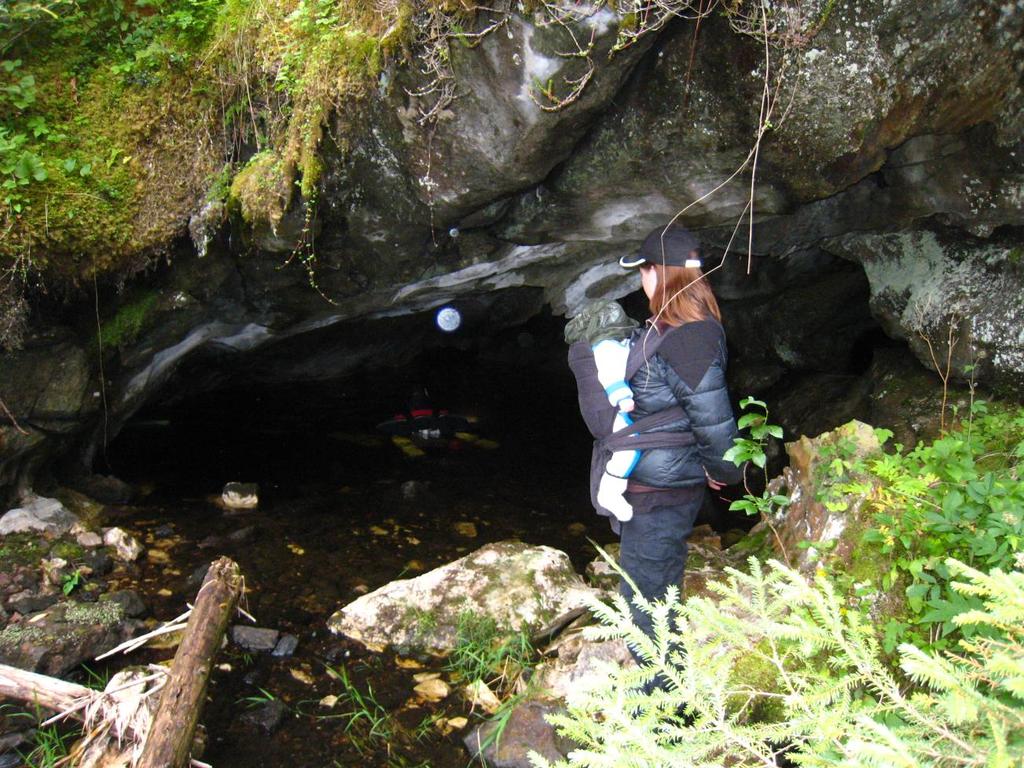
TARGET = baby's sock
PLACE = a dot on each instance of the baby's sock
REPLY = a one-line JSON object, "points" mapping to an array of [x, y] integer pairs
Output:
{"points": [[609, 496]]}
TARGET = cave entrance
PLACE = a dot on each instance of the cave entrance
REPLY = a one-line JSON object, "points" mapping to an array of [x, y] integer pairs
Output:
{"points": [[343, 510]]}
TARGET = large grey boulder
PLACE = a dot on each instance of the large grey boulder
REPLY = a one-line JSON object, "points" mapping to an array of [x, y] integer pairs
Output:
{"points": [[517, 585], [41, 515]]}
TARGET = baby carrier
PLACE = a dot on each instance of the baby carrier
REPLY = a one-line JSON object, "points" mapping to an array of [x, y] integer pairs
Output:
{"points": [[599, 413]]}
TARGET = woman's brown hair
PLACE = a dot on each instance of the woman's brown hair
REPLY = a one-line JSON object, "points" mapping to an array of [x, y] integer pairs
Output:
{"points": [[682, 295]]}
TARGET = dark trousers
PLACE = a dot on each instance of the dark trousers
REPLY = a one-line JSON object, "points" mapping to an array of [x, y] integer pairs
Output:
{"points": [[653, 553]]}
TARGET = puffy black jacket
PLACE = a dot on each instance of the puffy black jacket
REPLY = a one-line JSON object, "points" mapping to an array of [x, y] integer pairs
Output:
{"points": [[688, 369]]}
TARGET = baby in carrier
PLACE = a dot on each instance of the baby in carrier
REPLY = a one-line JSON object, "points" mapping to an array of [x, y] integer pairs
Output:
{"points": [[605, 326]]}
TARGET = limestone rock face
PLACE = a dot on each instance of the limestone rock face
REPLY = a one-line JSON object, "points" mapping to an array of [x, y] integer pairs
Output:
{"points": [[512, 583], [930, 287]]}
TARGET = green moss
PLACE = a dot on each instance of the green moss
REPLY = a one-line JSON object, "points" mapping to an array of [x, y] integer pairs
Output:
{"points": [[102, 612], [67, 550], [755, 544], [20, 549], [755, 671], [124, 327], [16, 634]]}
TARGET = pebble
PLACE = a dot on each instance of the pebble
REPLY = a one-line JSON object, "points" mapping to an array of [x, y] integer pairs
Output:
{"points": [[303, 677], [376, 530], [267, 718], [286, 646], [255, 638], [329, 701], [466, 529], [157, 556], [89, 539], [433, 689]]}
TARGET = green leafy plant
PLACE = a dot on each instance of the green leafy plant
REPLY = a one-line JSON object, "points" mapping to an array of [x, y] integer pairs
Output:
{"points": [[964, 492], [753, 449], [69, 582]]}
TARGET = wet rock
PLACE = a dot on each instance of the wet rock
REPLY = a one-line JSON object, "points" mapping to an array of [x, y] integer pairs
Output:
{"points": [[525, 731], [131, 603], [195, 579], [514, 584], [29, 601], [106, 489], [266, 718], [99, 562], [255, 638], [433, 688], [285, 646], [242, 534], [126, 547], [63, 636], [38, 514], [480, 696], [240, 496]]}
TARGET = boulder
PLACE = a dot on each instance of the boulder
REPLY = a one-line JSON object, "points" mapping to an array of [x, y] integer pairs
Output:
{"points": [[811, 517], [60, 638], [515, 584], [39, 514]]}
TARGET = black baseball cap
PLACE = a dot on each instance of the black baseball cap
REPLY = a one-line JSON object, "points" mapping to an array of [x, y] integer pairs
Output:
{"points": [[671, 247]]}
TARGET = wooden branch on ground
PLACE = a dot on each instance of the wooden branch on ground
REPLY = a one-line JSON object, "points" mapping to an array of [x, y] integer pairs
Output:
{"points": [[170, 737], [47, 692]]}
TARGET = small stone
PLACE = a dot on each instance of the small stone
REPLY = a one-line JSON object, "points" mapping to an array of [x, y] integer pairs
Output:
{"points": [[407, 663], [478, 694], [89, 539], [240, 496], [329, 701], [458, 723], [126, 547], [164, 592], [286, 646], [225, 667], [303, 677], [266, 718], [414, 565], [376, 530], [296, 549], [466, 529], [255, 638], [422, 677], [434, 689]]}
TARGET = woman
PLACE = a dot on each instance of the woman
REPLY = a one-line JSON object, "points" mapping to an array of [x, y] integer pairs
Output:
{"points": [[667, 485]]}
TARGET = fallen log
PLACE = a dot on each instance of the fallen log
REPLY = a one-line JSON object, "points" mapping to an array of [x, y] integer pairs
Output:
{"points": [[181, 701], [47, 692]]}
